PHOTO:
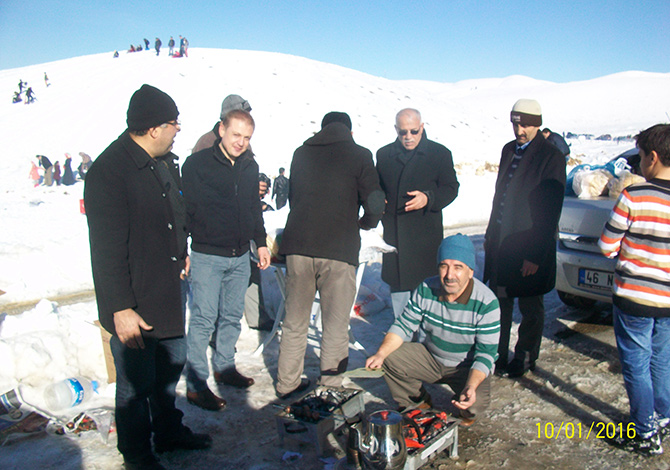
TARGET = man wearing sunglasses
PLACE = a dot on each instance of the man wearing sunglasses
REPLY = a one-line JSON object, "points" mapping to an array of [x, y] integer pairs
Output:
{"points": [[417, 175]]}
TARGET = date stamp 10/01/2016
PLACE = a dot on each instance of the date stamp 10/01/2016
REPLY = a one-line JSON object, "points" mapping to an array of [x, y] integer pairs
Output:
{"points": [[597, 430]]}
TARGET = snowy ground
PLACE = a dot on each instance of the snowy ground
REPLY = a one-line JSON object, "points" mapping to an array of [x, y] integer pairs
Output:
{"points": [[44, 247]]}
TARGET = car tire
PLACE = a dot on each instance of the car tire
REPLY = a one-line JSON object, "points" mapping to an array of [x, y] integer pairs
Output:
{"points": [[575, 301]]}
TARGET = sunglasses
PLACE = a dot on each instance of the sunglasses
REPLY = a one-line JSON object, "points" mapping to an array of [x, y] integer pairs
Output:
{"points": [[403, 132]]}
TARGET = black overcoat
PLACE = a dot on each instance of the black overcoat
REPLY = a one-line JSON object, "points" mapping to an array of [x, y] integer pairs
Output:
{"points": [[135, 255], [415, 234], [529, 222]]}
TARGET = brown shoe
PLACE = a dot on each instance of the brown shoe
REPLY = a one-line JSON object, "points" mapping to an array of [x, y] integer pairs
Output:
{"points": [[467, 422], [233, 378], [206, 400]]}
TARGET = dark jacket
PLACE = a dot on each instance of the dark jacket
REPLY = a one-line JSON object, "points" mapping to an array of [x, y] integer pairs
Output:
{"points": [[416, 234], [207, 140], [529, 224], [135, 255], [559, 142], [68, 175], [280, 188], [222, 203], [331, 177]]}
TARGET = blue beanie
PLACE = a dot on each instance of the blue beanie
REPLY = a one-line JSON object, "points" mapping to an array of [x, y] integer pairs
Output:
{"points": [[458, 247]]}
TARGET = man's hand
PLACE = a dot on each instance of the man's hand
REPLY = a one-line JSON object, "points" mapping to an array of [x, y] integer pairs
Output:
{"points": [[129, 326], [263, 257], [466, 399], [419, 201], [374, 362], [528, 268], [186, 270]]}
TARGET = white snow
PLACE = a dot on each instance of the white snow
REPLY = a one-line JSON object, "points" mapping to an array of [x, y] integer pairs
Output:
{"points": [[44, 250]]}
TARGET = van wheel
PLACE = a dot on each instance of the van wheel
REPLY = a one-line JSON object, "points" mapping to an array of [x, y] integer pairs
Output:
{"points": [[575, 301]]}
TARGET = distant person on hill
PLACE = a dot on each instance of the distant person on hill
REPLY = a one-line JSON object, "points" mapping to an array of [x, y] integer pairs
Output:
{"points": [[21, 85], [132, 48], [158, 45], [57, 174], [146, 44], [46, 79], [17, 97], [171, 45], [116, 54], [183, 46], [34, 174], [48, 170], [68, 174], [280, 191], [30, 95], [83, 167], [558, 141]]}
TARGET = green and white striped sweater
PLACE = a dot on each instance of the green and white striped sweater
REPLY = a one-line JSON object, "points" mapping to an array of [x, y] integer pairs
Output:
{"points": [[463, 333]]}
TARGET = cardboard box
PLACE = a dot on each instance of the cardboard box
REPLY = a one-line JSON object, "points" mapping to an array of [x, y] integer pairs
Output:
{"points": [[107, 350]]}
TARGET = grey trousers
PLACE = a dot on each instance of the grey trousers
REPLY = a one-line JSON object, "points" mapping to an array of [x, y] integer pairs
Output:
{"points": [[336, 283], [530, 329], [409, 366]]}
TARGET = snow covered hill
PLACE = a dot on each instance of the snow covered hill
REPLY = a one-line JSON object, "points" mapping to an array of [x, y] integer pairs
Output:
{"points": [[44, 240]]}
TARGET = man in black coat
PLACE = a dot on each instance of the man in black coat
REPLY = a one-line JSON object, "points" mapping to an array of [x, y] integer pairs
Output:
{"points": [[137, 231], [224, 214], [520, 239], [280, 190], [419, 180], [331, 178]]}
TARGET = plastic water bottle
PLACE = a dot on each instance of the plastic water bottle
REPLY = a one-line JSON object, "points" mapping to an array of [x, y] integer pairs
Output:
{"points": [[69, 393]]}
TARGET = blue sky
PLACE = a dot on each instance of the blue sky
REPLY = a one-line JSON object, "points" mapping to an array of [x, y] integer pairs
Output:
{"points": [[446, 41]]}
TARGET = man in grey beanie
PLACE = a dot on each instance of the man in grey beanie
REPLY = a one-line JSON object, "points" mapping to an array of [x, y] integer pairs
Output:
{"points": [[520, 241], [461, 321]]}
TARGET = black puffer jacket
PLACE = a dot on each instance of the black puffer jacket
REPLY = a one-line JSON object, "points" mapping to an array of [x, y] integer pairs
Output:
{"points": [[222, 203]]}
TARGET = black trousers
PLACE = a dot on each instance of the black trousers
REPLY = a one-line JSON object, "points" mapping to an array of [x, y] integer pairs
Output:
{"points": [[530, 329]]}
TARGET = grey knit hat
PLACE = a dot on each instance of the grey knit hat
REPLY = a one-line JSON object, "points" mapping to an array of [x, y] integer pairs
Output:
{"points": [[234, 102]]}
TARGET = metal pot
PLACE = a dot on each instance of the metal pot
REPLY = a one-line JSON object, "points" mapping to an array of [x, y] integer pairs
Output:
{"points": [[382, 444]]}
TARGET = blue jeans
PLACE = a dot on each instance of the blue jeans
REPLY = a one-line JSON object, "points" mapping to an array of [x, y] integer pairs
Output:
{"points": [[146, 382], [644, 352], [218, 286]]}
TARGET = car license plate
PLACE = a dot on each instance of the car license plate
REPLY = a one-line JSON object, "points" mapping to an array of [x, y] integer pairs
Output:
{"points": [[596, 279]]}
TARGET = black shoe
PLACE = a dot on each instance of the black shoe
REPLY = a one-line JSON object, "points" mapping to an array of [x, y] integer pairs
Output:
{"points": [[187, 440], [641, 445], [501, 367], [206, 400], [147, 462], [516, 368], [233, 378], [304, 385]]}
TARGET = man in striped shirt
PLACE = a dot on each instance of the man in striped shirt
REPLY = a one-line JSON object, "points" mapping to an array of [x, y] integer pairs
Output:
{"points": [[460, 319], [639, 231]]}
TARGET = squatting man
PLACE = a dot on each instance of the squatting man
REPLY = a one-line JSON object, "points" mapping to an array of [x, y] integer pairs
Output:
{"points": [[455, 311]]}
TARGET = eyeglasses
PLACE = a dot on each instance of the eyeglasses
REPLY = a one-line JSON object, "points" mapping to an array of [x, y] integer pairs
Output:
{"points": [[403, 132], [171, 123]]}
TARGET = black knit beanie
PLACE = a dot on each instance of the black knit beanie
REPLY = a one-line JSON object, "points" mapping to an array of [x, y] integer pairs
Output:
{"points": [[150, 107], [336, 116]]}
